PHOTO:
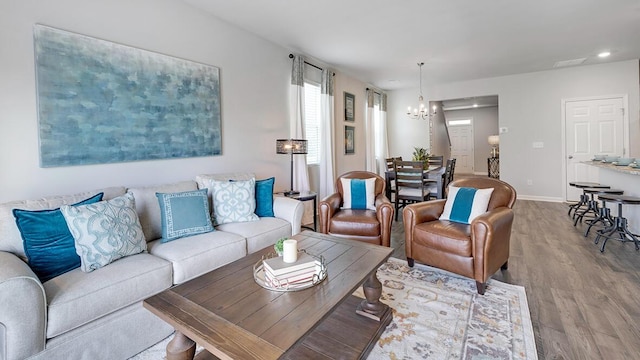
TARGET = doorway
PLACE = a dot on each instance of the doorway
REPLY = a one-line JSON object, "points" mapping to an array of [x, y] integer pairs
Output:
{"points": [[462, 149], [592, 126]]}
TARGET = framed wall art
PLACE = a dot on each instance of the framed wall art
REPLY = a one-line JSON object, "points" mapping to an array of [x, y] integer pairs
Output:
{"points": [[349, 107], [349, 139], [101, 102]]}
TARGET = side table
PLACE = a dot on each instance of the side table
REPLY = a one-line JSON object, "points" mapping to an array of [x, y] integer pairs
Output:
{"points": [[307, 196], [493, 165]]}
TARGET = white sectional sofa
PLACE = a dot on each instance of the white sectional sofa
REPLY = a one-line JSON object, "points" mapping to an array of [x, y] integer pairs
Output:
{"points": [[99, 314]]}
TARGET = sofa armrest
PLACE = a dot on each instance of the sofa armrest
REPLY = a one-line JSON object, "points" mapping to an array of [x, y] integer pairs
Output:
{"points": [[419, 213], [491, 235], [328, 206], [23, 304], [290, 210], [384, 213]]}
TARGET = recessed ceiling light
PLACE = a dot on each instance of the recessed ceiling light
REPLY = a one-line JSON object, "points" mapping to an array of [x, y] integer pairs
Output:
{"points": [[604, 54], [475, 105]]}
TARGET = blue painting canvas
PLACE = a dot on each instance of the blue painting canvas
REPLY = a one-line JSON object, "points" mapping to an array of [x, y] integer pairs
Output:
{"points": [[101, 102]]}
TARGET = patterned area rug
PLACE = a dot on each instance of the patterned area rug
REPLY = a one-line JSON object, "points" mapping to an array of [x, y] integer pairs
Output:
{"points": [[439, 315]]}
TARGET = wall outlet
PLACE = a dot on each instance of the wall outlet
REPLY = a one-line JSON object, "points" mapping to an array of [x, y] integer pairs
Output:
{"points": [[503, 130], [529, 182]]}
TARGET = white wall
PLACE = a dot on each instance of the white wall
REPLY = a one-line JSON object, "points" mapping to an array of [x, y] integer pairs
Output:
{"points": [[404, 134], [254, 73], [356, 161], [530, 107]]}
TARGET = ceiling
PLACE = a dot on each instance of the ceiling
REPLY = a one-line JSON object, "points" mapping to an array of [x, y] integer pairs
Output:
{"points": [[380, 42]]}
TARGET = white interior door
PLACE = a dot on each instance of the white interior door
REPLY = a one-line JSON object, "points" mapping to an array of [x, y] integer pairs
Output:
{"points": [[592, 127], [462, 147]]}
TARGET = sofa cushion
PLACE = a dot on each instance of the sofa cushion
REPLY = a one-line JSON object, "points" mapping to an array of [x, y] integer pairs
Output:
{"points": [[233, 201], [261, 233], [10, 238], [148, 208], [184, 213], [76, 298], [264, 197], [355, 222], [105, 232], [48, 244], [195, 255]]}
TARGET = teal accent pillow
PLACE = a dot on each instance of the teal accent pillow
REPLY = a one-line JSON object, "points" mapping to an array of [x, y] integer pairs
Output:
{"points": [[264, 197], [184, 214], [358, 194], [233, 201], [105, 231], [465, 204], [47, 241]]}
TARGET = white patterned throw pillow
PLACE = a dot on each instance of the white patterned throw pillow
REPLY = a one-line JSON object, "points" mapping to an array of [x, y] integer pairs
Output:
{"points": [[105, 231], [233, 201]]}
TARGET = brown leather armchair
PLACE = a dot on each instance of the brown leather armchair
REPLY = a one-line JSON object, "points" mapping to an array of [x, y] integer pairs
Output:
{"points": [[477, 250], [363, 225]]}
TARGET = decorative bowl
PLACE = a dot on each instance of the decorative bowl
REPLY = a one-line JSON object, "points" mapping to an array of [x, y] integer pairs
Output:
{"points": [[598, 157], [625, 161], [610, 159]]}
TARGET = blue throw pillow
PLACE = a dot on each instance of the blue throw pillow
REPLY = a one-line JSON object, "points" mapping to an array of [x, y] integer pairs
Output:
{"points": [[264, 197], [48, 243], [358, 194], [465, 204], [184, 214]]}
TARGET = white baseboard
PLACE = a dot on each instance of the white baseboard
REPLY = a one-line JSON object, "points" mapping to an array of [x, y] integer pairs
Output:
{"points": [[539, 198]]}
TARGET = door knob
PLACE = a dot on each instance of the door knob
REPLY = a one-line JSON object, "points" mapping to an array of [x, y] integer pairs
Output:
{"points": [[570, 156]]}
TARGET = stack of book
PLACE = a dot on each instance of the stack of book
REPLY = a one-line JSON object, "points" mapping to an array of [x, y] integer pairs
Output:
{"points": [[278, 273]]}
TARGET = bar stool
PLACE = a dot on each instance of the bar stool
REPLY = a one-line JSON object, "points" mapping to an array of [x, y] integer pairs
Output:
{"points": [[584, 199], [619, 225], [603, 212]]}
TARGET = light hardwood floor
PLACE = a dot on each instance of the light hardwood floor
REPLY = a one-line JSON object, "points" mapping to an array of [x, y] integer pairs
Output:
{"points": [[584, 304]]}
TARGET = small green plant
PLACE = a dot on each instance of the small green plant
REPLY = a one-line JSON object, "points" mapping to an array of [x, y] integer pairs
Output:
{"points": [[420, 154], [279, 246]]}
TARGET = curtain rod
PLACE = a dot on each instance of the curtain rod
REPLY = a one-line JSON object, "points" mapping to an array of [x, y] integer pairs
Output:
{"points": [[374, 90], [310, 64]]}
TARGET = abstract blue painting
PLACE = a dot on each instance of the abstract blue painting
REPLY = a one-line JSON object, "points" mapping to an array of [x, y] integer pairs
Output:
{"points": [[101, 102]]}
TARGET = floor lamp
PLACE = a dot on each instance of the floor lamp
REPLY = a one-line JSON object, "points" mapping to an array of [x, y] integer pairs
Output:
{"points": [[291, 147]]}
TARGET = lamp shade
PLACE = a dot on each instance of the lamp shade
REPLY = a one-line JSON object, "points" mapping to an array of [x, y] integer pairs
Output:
{"points": [[494, 140], [291, 146]]}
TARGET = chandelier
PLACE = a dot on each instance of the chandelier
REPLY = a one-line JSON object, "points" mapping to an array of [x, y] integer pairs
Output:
{"points": [[422, 111]]}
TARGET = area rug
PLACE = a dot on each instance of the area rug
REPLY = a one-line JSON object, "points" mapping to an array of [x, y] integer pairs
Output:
{"points": [[439, 315]]}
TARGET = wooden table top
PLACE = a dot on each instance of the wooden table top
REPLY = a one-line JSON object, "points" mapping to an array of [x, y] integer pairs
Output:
{"points": [[233, 317]]}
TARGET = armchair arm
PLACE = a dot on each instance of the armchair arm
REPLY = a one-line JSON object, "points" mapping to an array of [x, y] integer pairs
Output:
{"points": [[490, 237], [290, 210], [23, 304], [419, 213], [328, 206], [384, 213]]}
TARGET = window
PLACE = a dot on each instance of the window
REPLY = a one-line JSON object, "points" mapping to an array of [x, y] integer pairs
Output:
{"points": [[312, 121], [460, 122]]}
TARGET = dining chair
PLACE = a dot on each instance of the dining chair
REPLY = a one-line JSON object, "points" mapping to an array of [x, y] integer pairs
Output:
{"points": [[392, 183], [435, 160], [411, 184], [447, 176]]}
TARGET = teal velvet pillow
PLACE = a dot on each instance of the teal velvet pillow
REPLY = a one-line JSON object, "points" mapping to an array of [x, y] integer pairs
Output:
{"points": [[184, 214], [264, 197], [47, 241], [105, 231]]}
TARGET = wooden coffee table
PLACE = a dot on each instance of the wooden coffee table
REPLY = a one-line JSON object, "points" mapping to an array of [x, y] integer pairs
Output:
{"points": [[233, 317]]}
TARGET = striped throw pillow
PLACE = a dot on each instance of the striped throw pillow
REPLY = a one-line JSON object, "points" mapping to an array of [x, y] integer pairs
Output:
{"points": [[465, 204], [359, 193]]}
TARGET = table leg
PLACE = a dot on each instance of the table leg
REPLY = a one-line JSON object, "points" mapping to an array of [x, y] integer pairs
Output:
{"points": [[181, 347], [371, 307], [315, 213]]}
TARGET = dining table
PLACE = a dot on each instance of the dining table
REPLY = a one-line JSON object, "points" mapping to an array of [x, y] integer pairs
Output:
{"points": [[434, 172]]}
